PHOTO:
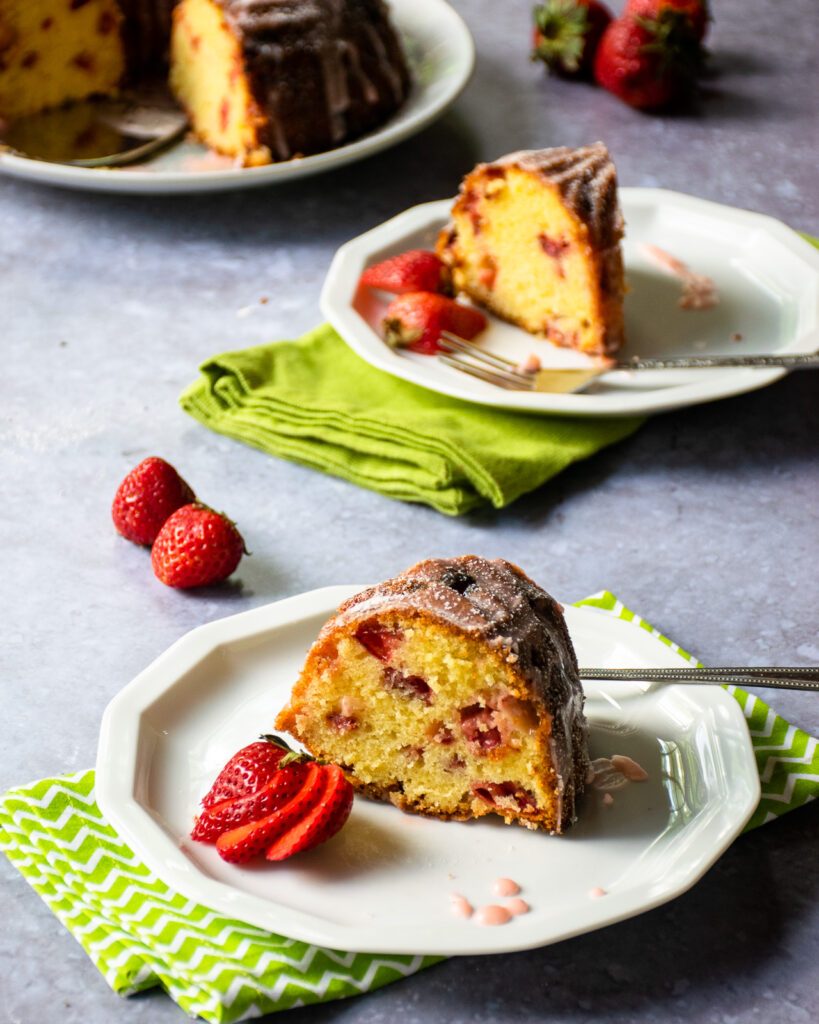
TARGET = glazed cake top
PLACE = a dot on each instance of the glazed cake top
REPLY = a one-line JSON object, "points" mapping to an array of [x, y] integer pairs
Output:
{"points": [[587, 180]]}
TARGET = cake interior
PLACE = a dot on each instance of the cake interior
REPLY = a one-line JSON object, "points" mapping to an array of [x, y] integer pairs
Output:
{"points": [[207, 77], [522, 253], [428, 717], [52, 51]]}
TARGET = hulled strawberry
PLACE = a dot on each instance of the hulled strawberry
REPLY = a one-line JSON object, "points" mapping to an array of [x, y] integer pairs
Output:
{"points": [[145, 499], [648, 64], [415, 271], [415, 321], [195, 547], [696, 11], [567, 33]]}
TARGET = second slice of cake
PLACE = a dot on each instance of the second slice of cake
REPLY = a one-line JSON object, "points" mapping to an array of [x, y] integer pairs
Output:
{"points": [[535, 238]]}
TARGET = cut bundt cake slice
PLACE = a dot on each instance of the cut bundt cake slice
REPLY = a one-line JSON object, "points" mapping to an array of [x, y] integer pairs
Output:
{"points": [[451, 690], [535, 237], [268, 80], [53, 51]]}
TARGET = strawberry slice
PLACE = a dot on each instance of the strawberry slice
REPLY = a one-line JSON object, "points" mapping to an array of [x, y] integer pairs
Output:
{"points": [[378, 640], [415, 271], [321, 822], [229, 814], [242, 844], [247, 771], [415, 321]]}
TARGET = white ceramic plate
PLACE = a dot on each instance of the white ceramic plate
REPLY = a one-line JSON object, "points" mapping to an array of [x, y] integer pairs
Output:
{"points": [[382, 884], [766, 275], [441, 55]]}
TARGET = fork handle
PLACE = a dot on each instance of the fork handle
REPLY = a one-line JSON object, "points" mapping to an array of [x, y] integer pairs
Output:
{"points": [[799, 678], [797, 362]]}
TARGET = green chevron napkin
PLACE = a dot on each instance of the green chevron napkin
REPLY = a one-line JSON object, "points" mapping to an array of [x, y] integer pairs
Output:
{"points": [[141, 934], [316, 402]]}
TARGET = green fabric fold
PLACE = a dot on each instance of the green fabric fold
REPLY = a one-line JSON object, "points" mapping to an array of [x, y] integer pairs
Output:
{"points": [[314, 401]]}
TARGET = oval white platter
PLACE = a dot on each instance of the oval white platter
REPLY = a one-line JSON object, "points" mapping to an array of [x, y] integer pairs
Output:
{"points": [[441, 55], [767, 278], [383, 883]]}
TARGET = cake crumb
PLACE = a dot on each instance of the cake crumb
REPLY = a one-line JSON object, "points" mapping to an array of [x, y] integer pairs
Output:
{"points": [[698, 290], [736, 336]]}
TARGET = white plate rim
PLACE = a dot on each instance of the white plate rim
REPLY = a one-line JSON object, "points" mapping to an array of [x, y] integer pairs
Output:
{"points": [[351, 258], [118, 769], [458, 38]]}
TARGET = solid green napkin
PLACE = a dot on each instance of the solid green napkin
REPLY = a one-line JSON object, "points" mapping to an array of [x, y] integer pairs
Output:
{"points": [[314, 401], [140, 934]]}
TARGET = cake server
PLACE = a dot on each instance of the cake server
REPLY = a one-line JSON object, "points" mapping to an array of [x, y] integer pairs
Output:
{"points": [[128, 130], [793, 678], [505, 373]]}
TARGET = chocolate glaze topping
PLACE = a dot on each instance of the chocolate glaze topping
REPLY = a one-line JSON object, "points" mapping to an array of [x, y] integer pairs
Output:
{"points": [[587, 180], [498, 603]]}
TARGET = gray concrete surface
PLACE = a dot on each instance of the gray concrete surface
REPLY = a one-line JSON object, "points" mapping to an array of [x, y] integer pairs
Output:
{"points": [[707, 521]]}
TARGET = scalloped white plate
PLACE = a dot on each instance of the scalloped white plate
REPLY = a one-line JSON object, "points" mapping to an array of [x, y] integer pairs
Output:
{"points": [[441, 55], [383, 883], [767, 277]]}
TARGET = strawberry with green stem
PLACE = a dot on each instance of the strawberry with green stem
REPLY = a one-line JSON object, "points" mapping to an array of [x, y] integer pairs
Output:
{"points": [[566, 35]]}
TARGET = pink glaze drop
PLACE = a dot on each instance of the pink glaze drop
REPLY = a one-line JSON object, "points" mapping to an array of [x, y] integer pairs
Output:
{"points": [[459, 905], [516, 907], [608, 800], [492, 915], [505, 887], [597, 892]]}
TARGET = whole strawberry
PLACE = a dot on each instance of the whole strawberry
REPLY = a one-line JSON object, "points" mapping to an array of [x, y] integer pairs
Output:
{"points": [[648, 64], [567, 33], [415, 271], [145, 499], [196, 546], [415, 321], [695, 11]]}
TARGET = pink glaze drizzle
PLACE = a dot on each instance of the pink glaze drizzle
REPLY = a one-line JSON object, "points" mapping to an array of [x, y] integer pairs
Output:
{"points": [[505, 887], [492, 915], [459, 905], [516, 907], [597, 892]]}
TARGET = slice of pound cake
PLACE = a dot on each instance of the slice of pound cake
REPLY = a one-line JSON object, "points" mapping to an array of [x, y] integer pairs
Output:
{"points": [[451, 690], [535, 237]]}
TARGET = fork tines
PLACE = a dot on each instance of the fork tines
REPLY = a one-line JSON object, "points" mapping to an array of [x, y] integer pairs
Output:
{"points": [[487, 366]]}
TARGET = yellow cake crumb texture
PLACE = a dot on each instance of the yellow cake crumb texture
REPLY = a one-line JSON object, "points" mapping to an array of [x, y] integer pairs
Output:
{"points": [[435, 721], [208, 79], [53, 52]]}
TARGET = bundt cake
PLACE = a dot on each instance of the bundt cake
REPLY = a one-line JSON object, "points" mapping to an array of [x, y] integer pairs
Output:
{"points": [[451, 690], [270, 79], [535, 237], [261, 80]]}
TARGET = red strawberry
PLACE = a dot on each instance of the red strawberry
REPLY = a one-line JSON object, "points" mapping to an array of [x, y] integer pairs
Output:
{"points": [[648, 64], [145, 499], [415, 321], [696, 11], [195, 547], [415, 271], [229, 814], [321, 822], [567, 33], [247, 771], [248, 841], [378, 640]]}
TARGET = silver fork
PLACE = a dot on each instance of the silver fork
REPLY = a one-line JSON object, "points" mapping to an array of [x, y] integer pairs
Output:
{"points": [[463, 355], [793, 678]]}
